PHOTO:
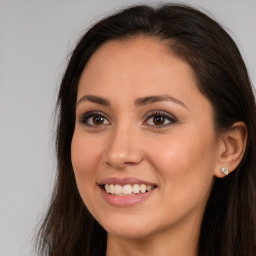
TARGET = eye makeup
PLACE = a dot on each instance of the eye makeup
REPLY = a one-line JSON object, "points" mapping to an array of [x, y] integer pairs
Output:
{"points": [[159, 119]]}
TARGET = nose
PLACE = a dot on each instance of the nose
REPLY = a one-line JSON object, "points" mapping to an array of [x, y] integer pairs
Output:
{"points": [[122, 149]]}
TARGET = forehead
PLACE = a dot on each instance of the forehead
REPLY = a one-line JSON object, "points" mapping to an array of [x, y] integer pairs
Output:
{"points": [[142, 61]]}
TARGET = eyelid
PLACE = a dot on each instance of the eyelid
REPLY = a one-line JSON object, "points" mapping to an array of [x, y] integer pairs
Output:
{"points": [[162, 113], [85, 116]]}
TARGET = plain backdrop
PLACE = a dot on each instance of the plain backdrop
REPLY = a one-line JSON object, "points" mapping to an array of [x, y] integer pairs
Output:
{"points": [[35, 40]]}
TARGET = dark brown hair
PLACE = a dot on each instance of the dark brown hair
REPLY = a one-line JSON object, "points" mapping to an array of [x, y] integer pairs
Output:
{"points": [[229, 223]]}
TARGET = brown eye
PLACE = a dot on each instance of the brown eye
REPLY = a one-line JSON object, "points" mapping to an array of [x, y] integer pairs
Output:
{"points": [[98, 120], [158, 120], [93, 119]]}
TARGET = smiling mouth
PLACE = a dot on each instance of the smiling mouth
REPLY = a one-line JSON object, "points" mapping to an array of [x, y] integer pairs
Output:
{"points": [[128, 189]]}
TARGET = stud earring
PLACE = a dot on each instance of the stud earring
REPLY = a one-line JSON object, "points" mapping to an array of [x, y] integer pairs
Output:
{"points": [[225, 171]]}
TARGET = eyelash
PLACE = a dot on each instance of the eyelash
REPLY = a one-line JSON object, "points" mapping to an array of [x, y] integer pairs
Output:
{"points": [[87, 119], [162, 114]]}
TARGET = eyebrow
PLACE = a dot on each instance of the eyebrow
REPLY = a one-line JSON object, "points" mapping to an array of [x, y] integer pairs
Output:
{"points": [[94, 99], [138, 102], [157, 98]]}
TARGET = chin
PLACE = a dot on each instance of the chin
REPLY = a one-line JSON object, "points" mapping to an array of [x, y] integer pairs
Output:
{"points": [[129, 228], [131, 234]]}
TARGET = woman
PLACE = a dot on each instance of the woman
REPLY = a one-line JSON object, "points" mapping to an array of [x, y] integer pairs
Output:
{"points": [[155, 141]]}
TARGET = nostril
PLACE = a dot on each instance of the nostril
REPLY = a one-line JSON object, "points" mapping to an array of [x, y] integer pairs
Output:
{"points": [[119, 165], [107, 163], [129, 163]]}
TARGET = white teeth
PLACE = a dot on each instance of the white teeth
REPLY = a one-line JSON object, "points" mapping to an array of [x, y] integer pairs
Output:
{"points": [[107, 188], [143, 188], [118, 190], [149, 188], [136, 189], [127, 189], [112, 189]]}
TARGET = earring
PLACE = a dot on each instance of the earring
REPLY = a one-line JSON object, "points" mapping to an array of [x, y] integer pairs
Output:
{"points": [[225, 171]]}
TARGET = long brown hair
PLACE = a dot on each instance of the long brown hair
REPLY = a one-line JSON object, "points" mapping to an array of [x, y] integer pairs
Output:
{"points": [[229, 223]]}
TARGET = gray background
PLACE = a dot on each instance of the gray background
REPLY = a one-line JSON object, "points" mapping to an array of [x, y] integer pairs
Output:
{"points": [[35, 39]]}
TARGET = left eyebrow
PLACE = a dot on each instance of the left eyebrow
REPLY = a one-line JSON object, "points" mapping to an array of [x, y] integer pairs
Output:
{"points": [[157, 98]]}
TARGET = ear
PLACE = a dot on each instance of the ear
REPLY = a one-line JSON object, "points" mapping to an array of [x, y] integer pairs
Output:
{"points": [[231, 148]]}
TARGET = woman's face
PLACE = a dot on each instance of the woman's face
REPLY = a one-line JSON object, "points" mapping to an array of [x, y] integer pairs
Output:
{"points": [[145, 132]]}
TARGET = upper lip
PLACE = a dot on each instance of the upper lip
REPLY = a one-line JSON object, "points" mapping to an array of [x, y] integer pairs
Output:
{"points": [[124, 181]]}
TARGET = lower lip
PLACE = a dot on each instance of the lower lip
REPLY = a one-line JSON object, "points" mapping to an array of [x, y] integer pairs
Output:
{"points": [[124, 201]]}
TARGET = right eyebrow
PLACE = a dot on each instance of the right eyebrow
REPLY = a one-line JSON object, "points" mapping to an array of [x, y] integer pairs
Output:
{"points": [[94, 99]]}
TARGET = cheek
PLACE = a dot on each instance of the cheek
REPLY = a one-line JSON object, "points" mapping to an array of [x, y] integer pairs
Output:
{"points": [[180, 153], [185, 164], [84, 159], [84, 154]]}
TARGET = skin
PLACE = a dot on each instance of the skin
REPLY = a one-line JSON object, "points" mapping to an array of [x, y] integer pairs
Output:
{"points": [[180, 157]]}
